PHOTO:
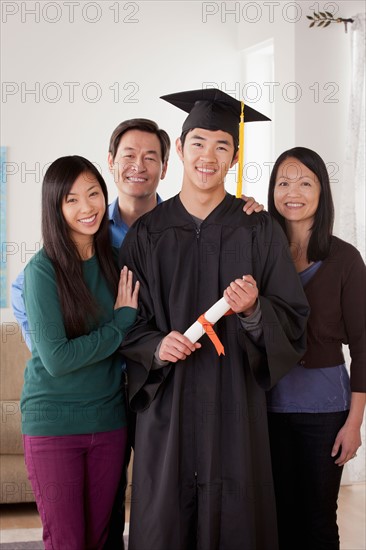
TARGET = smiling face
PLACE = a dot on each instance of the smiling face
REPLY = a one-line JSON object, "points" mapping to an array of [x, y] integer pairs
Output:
{"points": [[83, 209], [296, 192], [137, 166], [207, 157]]}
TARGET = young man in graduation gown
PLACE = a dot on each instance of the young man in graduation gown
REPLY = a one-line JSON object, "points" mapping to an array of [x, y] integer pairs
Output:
{"points": [[202, 475]]}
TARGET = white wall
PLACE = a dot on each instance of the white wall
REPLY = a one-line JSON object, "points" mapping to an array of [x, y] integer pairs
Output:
{"points": [[168, 49], [321, 118], [272, 23], [276, 24], [311, 77], [171, 46]]}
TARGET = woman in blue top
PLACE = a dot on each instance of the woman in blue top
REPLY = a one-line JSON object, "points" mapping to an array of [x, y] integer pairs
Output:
{"points": [[73, 411], [316, 410]]}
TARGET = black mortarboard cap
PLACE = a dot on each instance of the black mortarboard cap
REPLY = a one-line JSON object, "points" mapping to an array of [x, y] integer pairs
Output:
{"points": [[212, 109]]}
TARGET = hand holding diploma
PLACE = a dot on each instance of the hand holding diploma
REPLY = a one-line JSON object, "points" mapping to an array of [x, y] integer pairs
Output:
{"points": [[176, 347], [240, 296]]}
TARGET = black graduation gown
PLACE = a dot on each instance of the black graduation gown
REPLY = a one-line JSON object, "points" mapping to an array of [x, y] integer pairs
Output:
{"points": [[202, 474]]}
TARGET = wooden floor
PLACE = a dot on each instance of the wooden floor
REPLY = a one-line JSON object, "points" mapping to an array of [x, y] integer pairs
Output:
{"points": [[351, 517]]}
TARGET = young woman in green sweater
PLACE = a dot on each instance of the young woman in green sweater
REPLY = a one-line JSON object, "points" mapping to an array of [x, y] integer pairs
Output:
{"points": [[79, 309]]}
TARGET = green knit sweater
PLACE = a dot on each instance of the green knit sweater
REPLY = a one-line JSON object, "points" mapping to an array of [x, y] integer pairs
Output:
{"points": [[72, 386]]}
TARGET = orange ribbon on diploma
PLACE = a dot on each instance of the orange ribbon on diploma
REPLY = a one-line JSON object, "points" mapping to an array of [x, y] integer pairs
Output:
{"points": [[205, 322], [208, 328]]}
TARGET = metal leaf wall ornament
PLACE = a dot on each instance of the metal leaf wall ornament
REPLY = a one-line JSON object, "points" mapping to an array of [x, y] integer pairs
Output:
{"points": [[325, 18]]}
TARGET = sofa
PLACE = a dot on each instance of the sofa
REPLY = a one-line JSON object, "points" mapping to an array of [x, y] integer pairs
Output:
{"points": [[15, 486]]}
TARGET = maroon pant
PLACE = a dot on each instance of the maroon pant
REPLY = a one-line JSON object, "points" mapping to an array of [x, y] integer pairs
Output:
{"points": [[75, 480]]}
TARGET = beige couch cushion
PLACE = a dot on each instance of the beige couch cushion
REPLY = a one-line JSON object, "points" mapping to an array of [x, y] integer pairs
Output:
{"points": [[15, 486], [14, 355], [11, 437]]}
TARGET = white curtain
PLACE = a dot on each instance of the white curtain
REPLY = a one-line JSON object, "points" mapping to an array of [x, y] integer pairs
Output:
{"points": [[352, 205], [353, 198]]}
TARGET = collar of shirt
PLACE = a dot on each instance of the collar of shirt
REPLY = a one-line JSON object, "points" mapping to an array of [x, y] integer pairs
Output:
{"points": [[118, 227]]}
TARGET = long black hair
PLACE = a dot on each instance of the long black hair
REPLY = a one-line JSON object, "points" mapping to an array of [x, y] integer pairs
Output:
{"points": [[322, 228], [77, 304]]}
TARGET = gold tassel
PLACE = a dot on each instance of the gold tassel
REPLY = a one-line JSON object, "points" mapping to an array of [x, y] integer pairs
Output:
{"points": [[239, 185]]}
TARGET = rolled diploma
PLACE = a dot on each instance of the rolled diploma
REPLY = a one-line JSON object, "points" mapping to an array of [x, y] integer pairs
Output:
{"points": [[212, 315]]}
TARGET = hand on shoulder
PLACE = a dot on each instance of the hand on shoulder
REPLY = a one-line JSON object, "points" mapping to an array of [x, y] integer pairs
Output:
{"points": [[251, 205]]}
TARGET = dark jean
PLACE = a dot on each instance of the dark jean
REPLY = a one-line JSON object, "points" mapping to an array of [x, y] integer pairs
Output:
{"points": [[306, 478]]}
